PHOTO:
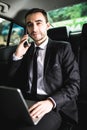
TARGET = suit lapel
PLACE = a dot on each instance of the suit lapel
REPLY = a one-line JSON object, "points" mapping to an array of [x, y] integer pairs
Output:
{"points": [[47, 56]]}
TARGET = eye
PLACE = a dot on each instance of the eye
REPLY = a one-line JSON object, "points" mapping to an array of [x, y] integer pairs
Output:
{"points": [[29, 24], [38, 23]]}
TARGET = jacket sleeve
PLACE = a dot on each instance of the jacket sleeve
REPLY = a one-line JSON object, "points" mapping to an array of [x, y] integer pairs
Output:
{"points": [[71, 79]]}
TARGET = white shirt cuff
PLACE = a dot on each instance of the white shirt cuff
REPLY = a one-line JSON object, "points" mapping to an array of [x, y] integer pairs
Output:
{"points": [[15, 58], [53, 102]]}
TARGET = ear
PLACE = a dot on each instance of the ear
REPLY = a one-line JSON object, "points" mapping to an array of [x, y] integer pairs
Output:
{"points": [[48, 25]]}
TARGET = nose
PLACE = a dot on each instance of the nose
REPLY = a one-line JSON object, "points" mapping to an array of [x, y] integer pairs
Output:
{"points": [[35, 27]]}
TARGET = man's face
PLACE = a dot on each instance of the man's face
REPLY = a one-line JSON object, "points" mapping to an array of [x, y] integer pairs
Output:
{"points": [[37, 27]]}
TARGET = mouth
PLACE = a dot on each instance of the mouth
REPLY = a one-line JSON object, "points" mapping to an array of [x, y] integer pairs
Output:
{"points": [[35, 35]]}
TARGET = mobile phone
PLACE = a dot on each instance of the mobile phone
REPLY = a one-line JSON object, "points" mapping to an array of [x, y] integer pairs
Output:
{"points": [[27, 42]]}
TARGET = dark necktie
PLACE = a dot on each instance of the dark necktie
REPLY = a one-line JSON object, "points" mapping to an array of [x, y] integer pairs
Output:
{"points": [[34, 81]]}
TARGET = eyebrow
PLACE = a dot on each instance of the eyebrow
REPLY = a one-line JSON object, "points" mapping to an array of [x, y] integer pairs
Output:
{"points": [[35, 21]]}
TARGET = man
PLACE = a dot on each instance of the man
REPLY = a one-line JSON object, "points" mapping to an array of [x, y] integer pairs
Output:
{"points": [[57, 85]]}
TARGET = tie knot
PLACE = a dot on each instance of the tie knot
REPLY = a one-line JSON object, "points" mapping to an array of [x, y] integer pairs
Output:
{"points": [[37, 48]]}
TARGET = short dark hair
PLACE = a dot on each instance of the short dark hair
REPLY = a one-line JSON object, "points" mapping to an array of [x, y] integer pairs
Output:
{"points": [[35, 10]]}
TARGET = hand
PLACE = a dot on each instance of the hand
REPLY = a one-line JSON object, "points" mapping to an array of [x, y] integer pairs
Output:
{"points": [[40, 108], [21, 50]]}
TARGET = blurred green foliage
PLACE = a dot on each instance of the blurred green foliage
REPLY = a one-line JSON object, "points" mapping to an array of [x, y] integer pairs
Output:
{"points": [[71, 15]]}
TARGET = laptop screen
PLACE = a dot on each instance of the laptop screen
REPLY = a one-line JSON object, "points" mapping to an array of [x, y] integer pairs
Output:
{"points": [[13, 106]]}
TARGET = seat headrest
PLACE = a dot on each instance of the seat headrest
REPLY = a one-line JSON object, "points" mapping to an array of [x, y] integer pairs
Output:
{"points": [[84, 30], [58, 33], [84, 36]]}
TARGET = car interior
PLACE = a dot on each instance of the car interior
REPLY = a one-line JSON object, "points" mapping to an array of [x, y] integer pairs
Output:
{"points": [[12, 28]]}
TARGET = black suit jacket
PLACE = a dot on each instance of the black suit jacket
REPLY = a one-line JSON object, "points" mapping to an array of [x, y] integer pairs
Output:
{"points": [[61, 76]]}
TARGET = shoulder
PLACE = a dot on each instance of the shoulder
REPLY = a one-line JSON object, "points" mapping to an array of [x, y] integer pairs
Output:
{"points": [[59, 45]]}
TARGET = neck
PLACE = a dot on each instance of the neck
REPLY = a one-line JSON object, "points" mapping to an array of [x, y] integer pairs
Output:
{"points": [[41, 41]]}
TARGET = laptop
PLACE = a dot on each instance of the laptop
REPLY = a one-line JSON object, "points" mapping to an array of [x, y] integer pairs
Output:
{"points": [[14, 108]]}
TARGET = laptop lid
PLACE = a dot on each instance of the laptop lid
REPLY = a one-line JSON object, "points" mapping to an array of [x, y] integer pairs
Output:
{"points": [[13, 106]]}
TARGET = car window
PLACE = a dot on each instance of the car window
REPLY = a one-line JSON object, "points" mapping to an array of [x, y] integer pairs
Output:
{"points": [[16, 34], [4, 31], [10, 33], [71, 16]]}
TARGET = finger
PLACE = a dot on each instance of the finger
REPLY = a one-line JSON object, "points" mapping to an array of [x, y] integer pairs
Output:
{"points": [[36, 111], [39, 114], [33, 107], [24, 38]]}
